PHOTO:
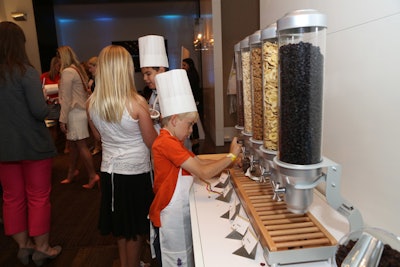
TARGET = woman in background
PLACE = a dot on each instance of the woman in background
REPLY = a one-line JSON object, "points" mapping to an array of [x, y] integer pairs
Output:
{"points": [[91, 66], [26, 150], [74, 92], [52, 77], [120, 116]]}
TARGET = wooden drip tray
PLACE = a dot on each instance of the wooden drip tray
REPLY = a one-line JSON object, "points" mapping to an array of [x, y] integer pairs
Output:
{"points": [[286, 237]]}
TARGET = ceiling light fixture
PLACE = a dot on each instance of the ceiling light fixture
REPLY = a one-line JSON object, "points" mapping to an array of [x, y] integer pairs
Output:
{"points": [[202, 38]]}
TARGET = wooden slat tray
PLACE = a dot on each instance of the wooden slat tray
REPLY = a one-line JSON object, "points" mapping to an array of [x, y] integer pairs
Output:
{"points": [[279, 229]]}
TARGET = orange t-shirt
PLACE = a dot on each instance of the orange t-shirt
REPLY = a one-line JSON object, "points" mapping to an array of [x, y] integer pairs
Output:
{"points": [[168, 154]]}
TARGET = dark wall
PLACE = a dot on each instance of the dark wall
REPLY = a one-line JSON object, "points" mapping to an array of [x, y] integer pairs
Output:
{"points": [[46, 31], [239, 19]]}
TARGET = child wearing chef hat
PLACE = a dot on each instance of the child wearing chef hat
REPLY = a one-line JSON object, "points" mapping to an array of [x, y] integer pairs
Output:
{"points": [[153, 60], [174, 168]]}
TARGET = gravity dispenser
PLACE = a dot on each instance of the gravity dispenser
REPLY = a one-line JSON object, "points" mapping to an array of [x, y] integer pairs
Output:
{"points": [[301, 39], [247, 99], [254, 171], [269, 147], [239, 90]]}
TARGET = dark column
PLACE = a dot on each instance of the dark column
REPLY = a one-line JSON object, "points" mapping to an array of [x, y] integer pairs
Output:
{"points": [[46, 31]]}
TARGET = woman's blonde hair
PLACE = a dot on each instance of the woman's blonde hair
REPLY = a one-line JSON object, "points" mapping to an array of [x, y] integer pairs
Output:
{"points": [[68, 58], [115, 85]]}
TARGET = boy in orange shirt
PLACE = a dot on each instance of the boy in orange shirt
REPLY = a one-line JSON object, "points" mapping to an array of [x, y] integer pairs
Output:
{"points": [[174, 168]]}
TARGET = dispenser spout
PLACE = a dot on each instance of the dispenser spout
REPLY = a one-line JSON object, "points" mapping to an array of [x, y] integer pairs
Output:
{"points": [[299, 182]]}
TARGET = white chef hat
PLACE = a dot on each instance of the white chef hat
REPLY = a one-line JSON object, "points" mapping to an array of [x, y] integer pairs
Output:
{"points": [[174, 93], [152, 51]]}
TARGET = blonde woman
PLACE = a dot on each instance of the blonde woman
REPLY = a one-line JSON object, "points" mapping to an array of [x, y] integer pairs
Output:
{"points": [[91, 66], [73, 93], [120, 116]]}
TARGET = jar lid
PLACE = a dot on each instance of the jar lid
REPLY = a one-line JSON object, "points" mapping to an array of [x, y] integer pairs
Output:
{"points": [[255, 37], [269, 32], [236, 47], [302, 18], [245, 43]]}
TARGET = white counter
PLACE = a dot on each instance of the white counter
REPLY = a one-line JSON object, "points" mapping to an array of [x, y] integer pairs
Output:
{"points": [[213, 249]]}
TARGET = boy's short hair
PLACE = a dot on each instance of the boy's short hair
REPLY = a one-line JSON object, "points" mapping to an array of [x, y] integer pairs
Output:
{"points": [[194, 114]]}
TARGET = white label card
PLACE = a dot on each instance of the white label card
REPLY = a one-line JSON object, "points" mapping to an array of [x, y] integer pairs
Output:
{"points": [[226, 190], [224, 176], [232, 210], [249, 241], [240, 225]]}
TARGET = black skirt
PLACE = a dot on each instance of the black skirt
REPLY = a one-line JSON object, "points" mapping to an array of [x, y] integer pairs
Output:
{"points": [[125, 213]]}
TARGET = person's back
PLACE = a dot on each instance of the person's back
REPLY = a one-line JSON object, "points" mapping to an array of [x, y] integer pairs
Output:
{"points": [[73, 117], [50, 81], [120, 117], [26, 150], [122, 145], [24, 135]]}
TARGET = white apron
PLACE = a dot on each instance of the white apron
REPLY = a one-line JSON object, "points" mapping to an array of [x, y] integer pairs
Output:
{"points": [[176, 231]]}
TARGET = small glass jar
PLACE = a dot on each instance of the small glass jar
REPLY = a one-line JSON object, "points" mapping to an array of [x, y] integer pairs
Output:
{"points": [[301, 38], [269, 41], [246, 80], [239, 88], [256, 85]]}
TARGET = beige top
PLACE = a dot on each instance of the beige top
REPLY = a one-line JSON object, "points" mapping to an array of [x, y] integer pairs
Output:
{"points": [[72, 93]]}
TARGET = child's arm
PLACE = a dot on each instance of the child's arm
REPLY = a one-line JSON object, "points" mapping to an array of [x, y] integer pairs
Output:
{"points": [[207, 170]]}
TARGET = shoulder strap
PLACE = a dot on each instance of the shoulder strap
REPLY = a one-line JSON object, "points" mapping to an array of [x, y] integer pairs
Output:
{"points": [[80, 75]]}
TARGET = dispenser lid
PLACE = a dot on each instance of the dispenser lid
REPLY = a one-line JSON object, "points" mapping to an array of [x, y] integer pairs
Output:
{"points": [[255, 38], [269, 32], [302, 18], [244, 43]]}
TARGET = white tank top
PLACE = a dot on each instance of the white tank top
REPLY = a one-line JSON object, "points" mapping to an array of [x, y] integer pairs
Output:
{"points": [[123, 148]]}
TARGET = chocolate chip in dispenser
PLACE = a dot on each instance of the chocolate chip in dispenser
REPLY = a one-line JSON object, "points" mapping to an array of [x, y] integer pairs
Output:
{"points": [[300, 121]]}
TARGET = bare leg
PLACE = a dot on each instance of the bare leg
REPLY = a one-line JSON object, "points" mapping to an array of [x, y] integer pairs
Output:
{"points": [[97, 147], [26, 246], [66, 149], [134, 251], [122, 252], [87, 158], [73, 162], [130, 251], [43, 250], [42, 245], [23, 240]]}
